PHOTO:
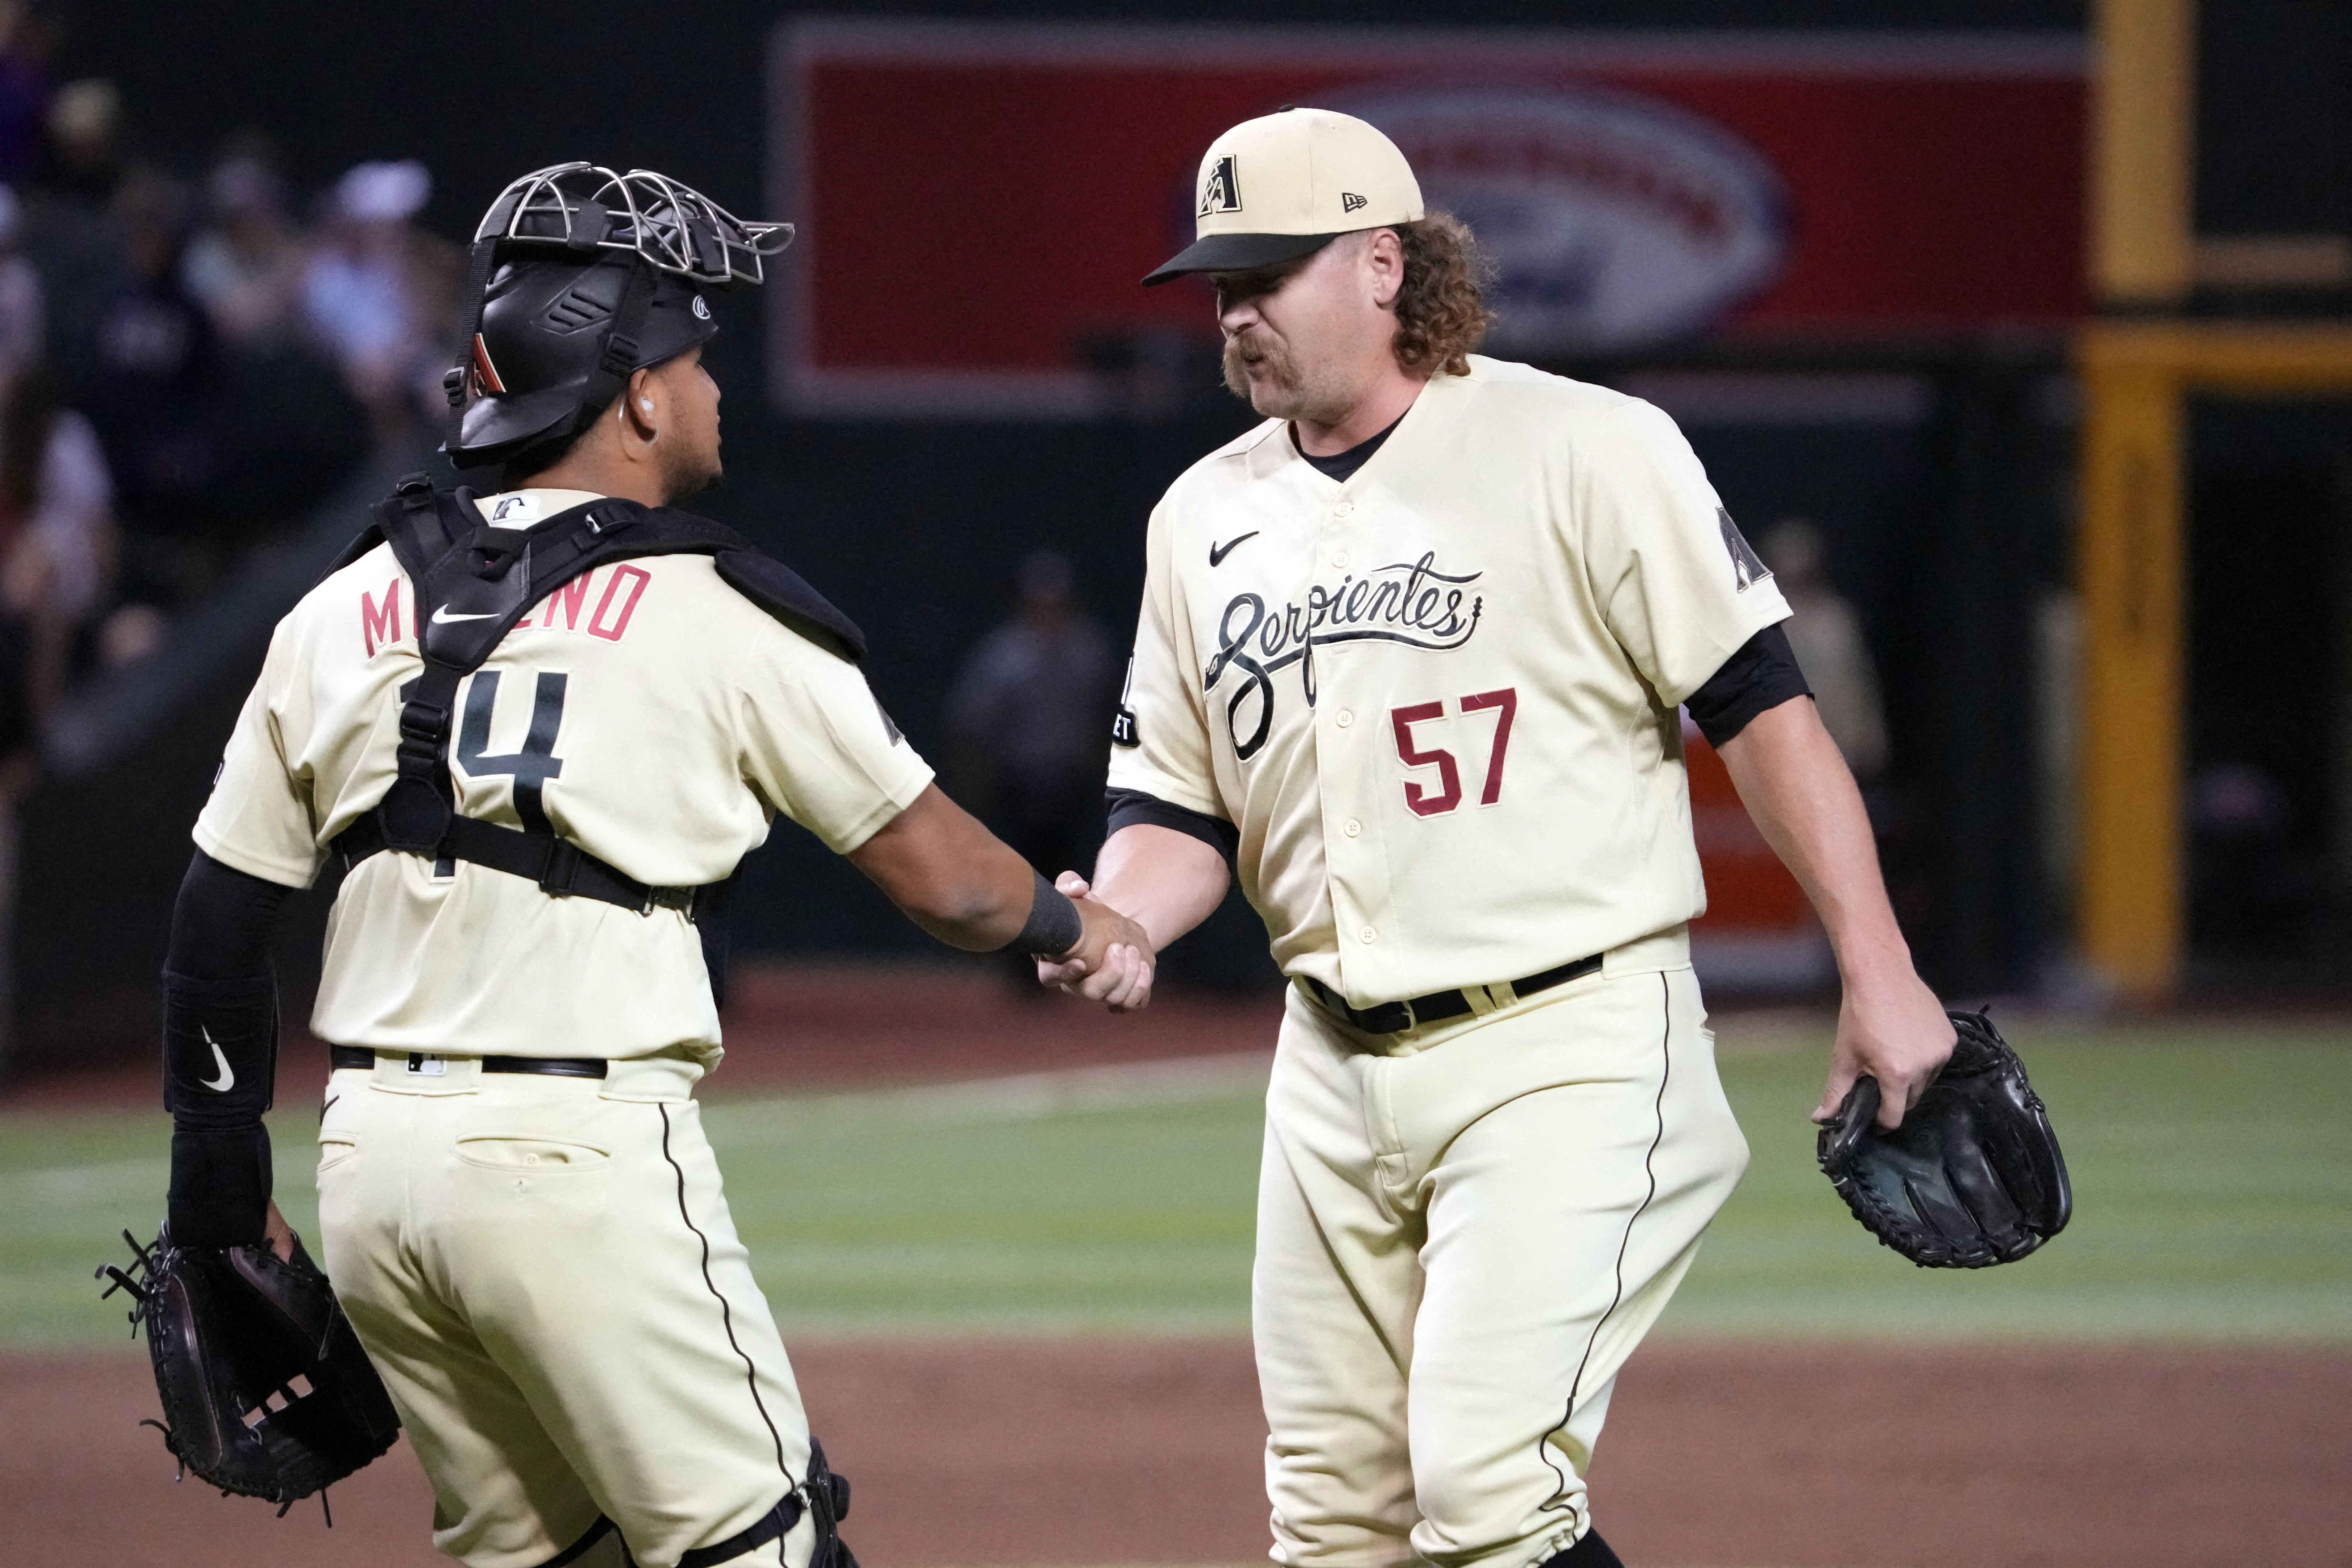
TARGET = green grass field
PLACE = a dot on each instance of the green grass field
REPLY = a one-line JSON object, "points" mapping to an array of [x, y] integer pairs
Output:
{"points": [[2212, 1173]]}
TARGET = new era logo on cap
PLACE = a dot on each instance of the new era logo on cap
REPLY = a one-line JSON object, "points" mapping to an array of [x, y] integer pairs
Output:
{"points": [[1222, 191], [1349, 201]]}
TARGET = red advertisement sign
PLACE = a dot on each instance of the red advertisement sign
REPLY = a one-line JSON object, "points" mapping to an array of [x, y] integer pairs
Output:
{"points": [[976, 202]]}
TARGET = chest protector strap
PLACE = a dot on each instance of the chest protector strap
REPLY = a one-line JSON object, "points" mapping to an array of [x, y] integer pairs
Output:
{"points": [[473, 584]]}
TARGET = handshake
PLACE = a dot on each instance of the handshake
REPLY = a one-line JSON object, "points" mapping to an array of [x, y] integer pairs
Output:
{"points": [[1112, 962]]}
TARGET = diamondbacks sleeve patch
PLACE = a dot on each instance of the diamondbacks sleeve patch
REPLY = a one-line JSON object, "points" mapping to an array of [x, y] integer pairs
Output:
{"points": [[1747, 568]]}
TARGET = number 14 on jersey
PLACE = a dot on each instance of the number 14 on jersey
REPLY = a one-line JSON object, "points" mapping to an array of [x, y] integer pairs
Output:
{"points": [[1503, 705]]}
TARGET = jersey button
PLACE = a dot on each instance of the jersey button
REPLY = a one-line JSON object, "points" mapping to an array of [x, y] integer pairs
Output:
{"points": [[1345, 508], [1339, 560], [1368, 934], [1352, 828], [1343, 718]]}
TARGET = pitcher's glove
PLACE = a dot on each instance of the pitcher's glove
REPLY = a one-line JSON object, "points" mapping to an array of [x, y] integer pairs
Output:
{"points": [[266, 1390], [1973, 1177]]}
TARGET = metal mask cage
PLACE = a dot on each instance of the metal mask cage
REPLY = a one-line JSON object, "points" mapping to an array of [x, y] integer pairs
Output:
{"points": [[586, 207]]}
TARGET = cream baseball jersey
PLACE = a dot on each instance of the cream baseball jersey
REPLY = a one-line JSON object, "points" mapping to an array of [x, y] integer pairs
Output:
{"points": [[646, 711], [1438, 700]]}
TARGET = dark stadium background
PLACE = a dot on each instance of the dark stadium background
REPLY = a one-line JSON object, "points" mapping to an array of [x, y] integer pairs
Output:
{"points": [[1945, 529]]}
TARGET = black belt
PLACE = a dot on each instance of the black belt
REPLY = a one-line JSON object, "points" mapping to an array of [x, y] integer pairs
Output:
{"points": [[1395, 1017], [560, 866], [364, 1058]]}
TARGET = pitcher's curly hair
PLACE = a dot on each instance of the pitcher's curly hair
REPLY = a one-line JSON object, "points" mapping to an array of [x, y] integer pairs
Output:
{"points": [[1441, 313]]}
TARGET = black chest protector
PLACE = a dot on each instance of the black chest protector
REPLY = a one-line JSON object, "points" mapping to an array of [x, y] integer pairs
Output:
{"points": [[473, 584]]}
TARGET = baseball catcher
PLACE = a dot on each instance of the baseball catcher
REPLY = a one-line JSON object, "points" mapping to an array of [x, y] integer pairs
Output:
{"points": [[524, 1223]]}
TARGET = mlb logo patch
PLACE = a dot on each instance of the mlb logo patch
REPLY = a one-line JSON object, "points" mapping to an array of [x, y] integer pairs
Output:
{"points": [[1222, 191]]}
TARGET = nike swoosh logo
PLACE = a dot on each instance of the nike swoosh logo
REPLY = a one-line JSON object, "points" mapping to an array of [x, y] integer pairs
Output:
{"points": [[442, 617], [227, 1074], [1217, 553]]}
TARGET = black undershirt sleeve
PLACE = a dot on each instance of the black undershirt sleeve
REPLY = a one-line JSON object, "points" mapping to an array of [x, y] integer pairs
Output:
{"points": [[220, 999], [1762, 675], [222, 922], [1127, 807]]}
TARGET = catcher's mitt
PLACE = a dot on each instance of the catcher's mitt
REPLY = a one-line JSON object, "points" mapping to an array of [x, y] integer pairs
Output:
{"points": [[1973, 1177], [266, 1389]]}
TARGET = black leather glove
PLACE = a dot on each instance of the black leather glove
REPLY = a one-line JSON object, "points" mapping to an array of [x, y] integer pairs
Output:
{"points": [[266, 1390], [1973, 1177]]}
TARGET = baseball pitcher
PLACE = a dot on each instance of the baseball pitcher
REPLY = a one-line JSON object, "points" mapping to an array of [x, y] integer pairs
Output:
{"points": [[1410, 659], [540, 728]]}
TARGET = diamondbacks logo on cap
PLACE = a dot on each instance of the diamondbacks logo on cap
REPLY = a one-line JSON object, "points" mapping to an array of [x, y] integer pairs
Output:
{"points": [[701, 309], [1222, 191], [1349, 201]]}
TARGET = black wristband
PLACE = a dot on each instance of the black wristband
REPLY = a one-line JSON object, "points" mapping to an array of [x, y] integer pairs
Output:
{"points": [[220, 1185], [1054, 927]]}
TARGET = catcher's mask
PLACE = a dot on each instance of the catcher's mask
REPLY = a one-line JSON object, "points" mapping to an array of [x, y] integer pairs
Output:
{"points": [[577, 277]]}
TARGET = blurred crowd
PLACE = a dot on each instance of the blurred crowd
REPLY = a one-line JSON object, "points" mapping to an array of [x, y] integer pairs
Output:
{"points": [[192, 353]]}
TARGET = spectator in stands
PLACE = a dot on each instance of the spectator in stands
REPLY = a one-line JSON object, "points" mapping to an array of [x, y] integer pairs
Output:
{"points": [[1029, 726], [379, 293], [55, 556], [2253, 890], [57, 529], [245, 266], [24, 90], [1826, 634], [84, 141], [72, 231], [24, 306], [158, 402]]}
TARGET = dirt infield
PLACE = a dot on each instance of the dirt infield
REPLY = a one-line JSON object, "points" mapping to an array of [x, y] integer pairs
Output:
{"points": [[1105, 1452]]}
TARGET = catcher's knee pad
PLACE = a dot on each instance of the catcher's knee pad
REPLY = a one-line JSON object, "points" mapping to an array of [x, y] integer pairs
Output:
{"points": [[828, 1500], [821, 1495]]}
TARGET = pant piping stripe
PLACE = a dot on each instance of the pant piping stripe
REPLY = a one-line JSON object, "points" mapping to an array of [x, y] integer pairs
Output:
{"points": [[1649, 1170], [726, 1313]]}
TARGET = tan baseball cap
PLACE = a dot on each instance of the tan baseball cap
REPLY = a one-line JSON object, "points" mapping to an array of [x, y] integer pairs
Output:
{"points": [[1285, 185]]}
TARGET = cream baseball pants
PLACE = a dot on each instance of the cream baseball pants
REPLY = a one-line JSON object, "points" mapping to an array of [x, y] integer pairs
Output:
{"points": [[1463, 1232], [544, 1271]]}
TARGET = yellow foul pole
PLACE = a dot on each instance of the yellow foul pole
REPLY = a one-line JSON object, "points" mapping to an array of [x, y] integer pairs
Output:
{"points": [[2141, 246]]}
